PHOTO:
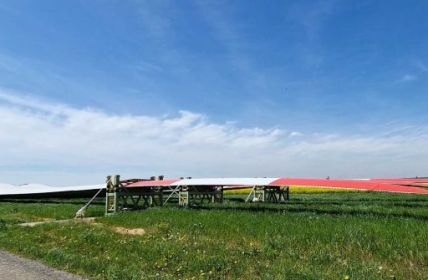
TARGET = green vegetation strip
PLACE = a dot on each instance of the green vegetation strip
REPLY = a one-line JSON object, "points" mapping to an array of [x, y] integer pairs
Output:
{"points": [[315, 236]]}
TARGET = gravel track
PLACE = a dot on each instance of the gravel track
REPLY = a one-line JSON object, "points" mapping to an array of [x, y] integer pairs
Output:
{"points": [[13, 267]]}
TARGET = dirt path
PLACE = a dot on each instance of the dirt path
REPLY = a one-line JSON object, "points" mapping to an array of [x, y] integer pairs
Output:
{"points": [[16, 268]]}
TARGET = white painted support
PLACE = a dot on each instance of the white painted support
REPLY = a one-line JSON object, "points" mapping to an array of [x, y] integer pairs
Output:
{"points": [[81, 212], [174, 191], [183, 197], [250, 194]]}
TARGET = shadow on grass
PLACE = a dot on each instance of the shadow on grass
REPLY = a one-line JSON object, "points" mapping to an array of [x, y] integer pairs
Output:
{"points": [[333, 212], [410, 204]]}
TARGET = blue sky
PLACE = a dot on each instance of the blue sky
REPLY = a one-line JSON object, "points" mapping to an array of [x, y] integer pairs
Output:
{"points": [[354, 70]]}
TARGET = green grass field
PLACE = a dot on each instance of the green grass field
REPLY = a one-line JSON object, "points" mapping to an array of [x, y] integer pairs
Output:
{"points": [[345, 235]]}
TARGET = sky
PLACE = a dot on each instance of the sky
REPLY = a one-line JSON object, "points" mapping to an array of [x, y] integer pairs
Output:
{"points": [[212, 89]]}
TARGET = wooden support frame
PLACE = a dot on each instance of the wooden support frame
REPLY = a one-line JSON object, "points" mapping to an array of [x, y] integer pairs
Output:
{"points": [[276, 194], [214, 195], [272, 194], [121, 198], [140, 198], [174, 192]]}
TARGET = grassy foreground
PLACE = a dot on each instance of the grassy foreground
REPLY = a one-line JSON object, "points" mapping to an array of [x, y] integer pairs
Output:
{"points": [[315, 236]]}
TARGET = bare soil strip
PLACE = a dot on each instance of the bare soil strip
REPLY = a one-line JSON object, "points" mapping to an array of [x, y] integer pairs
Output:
{"points": [[33, 224]]}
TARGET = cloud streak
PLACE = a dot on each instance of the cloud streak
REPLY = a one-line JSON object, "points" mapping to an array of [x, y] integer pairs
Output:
{"points": [[58, 143], [408, 78]]}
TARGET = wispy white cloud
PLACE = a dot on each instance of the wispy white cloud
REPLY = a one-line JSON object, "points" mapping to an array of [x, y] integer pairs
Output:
{"points": [[311, 17], [152, 16], [58, 143], [421, 66], [230, 34], [296, 134], [408, 78]]}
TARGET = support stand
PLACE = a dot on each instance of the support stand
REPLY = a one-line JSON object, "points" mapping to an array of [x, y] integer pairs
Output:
{"points": [[112, 188], [183, 196], [273, 194]]}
